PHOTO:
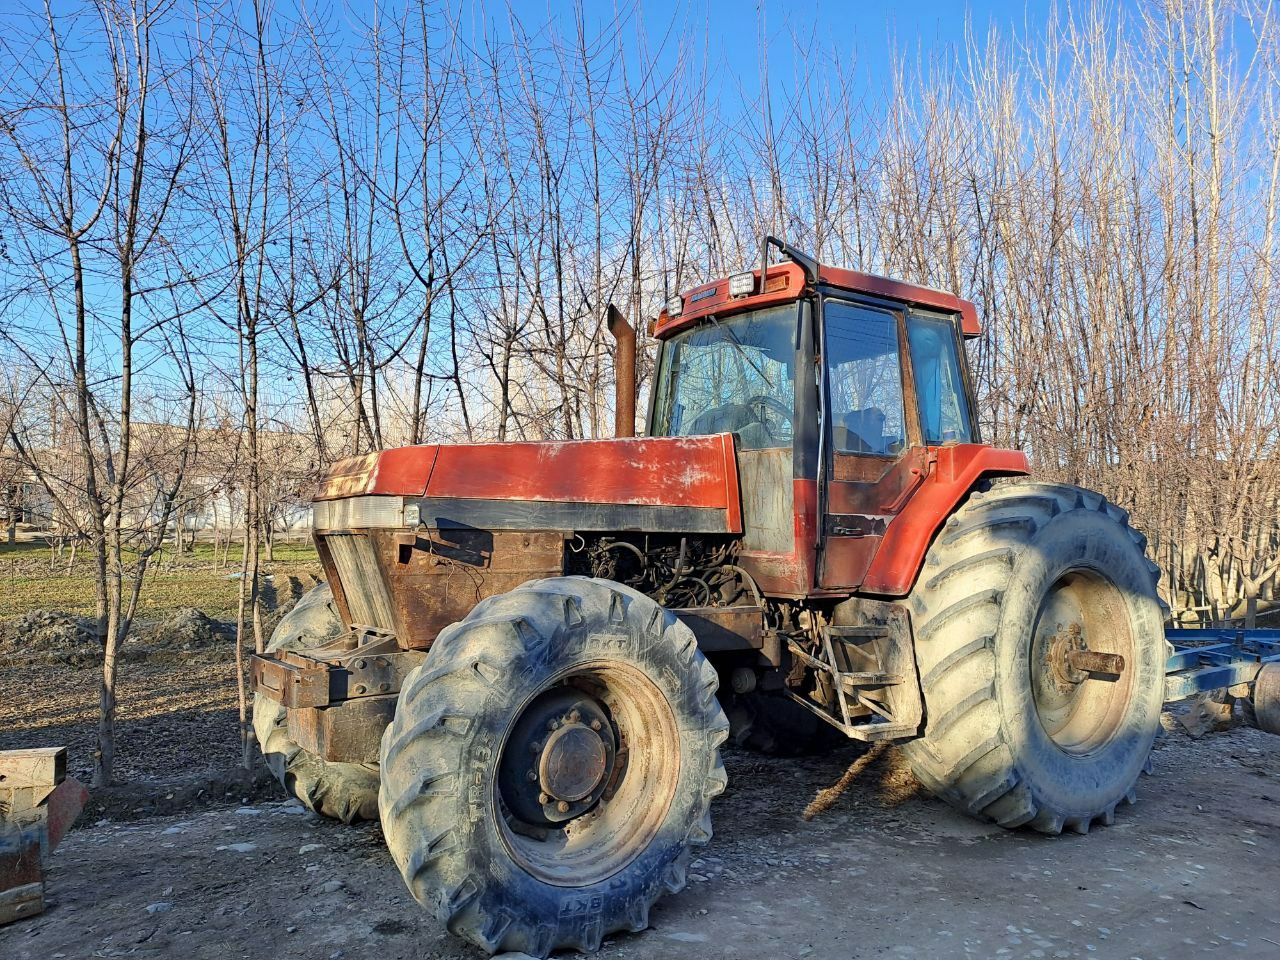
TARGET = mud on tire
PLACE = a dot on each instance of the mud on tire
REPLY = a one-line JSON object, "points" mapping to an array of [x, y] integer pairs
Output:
{"points": [[343, 791], [460, 813], [1008, 736]]}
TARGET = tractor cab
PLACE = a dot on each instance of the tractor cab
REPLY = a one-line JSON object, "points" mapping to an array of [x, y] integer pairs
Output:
{"points": [[840, 390], [736, 373]]}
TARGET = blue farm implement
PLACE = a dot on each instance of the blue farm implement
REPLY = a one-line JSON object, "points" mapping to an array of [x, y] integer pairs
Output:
{"points": [[1234, 660]]}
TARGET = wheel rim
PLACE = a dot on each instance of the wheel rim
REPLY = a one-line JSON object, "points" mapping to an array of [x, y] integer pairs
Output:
{"points": [[587, 773], [1082, 662]]}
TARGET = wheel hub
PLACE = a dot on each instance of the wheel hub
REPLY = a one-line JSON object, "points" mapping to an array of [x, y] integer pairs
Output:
{"points": [[1063, 643], [1072, 662], [1079, 650], [572, 763], [559, 759]]}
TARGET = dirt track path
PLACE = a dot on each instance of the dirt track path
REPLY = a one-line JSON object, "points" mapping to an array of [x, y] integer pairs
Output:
{"points": [[1193, 870]]}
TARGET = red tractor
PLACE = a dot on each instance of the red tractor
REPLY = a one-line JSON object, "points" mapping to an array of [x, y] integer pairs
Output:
{"points": [[515, 661]]}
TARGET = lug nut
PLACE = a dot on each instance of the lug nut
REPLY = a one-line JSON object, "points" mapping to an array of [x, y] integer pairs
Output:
{"points": [[543, 799], [563, 806], [595, 725], [535, 747], [574, 715], [532, 776], [553, 724]]}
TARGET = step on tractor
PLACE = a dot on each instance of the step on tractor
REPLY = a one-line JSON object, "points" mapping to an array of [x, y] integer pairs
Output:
{"points": [[526, 655]]}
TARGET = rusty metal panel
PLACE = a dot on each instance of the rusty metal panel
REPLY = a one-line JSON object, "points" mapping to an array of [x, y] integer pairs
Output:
{"points": [[768, 505], [862, 500], [346, 732], [658, 471], [356, 563], [292, 681], [790, 573], [871, 485], [403, 470], [721, 629], [435, 577]]}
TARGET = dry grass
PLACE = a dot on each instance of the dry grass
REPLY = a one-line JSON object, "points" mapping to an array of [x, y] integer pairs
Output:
{"points": [[28, 582]]}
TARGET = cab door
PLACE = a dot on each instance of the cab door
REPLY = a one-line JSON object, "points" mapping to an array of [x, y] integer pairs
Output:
{"points": [[874, 455]]}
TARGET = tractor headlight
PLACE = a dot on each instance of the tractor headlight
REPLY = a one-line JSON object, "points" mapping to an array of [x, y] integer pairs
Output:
{"points": [[354, 513], [675, 306], [742, 284]]}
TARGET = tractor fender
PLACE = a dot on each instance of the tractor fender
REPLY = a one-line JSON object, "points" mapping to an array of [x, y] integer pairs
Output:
{"points": [[953, 473]]}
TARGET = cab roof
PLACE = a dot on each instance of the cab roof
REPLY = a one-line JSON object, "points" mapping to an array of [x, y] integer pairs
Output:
{"points": [[786, 281]]}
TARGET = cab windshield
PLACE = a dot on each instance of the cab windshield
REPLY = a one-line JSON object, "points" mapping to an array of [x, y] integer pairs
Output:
{"points": [[731, 376]]}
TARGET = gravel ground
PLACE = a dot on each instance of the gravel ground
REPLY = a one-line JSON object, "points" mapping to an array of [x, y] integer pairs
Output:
{"points": [[192, 858], [1191, 871]]}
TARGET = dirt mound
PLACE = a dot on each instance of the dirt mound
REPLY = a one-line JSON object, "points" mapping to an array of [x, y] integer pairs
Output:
{"points": [[54, 637], [185, 629], [50, 635]]}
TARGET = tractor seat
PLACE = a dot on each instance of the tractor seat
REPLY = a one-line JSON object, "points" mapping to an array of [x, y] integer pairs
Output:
{"points": [[862, 432], [735, 418]]}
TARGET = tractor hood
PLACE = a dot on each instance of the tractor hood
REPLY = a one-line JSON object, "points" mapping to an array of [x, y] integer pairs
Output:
{"points": [[684, 484]]}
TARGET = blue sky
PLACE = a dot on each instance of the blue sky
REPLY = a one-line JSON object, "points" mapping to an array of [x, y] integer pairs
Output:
{"points": [[733, 28]]}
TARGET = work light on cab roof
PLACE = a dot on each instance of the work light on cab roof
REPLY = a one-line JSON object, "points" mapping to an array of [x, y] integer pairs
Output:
{"points": [[742, 284]]}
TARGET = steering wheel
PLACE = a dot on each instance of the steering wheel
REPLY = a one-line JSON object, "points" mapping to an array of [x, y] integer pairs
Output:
{"points": [[761, 402]]}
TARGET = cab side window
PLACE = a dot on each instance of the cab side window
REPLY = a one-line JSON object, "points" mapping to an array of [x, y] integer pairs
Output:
{"points": [[864, 377], [944, 406]]}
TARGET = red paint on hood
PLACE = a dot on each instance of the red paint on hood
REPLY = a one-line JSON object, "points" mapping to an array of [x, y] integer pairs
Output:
{"points": [[651, 471]]}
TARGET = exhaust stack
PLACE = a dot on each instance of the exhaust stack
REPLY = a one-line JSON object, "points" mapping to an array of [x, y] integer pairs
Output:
{"points": [[624, 362]]}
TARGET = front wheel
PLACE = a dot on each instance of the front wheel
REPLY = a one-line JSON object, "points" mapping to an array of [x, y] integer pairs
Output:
{"points": [[343, 791], [550, 764], [1041, 649]]}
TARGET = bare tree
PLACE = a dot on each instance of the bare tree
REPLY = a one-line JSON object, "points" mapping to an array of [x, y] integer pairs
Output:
{"points": [[99, 178]]}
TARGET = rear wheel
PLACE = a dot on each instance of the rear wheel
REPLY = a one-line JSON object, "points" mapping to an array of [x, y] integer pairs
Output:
{"points": [[343, 791], [550, 764], [1041, 649], [1262, 709]]}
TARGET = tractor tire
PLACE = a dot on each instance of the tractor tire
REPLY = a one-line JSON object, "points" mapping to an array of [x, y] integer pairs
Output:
{"points": [[342, 791], [1022, 580], [550, 765], [1262, 709]]}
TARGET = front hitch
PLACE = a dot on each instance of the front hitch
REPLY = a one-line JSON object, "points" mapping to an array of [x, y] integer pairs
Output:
{"points": [[338, 700]]}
